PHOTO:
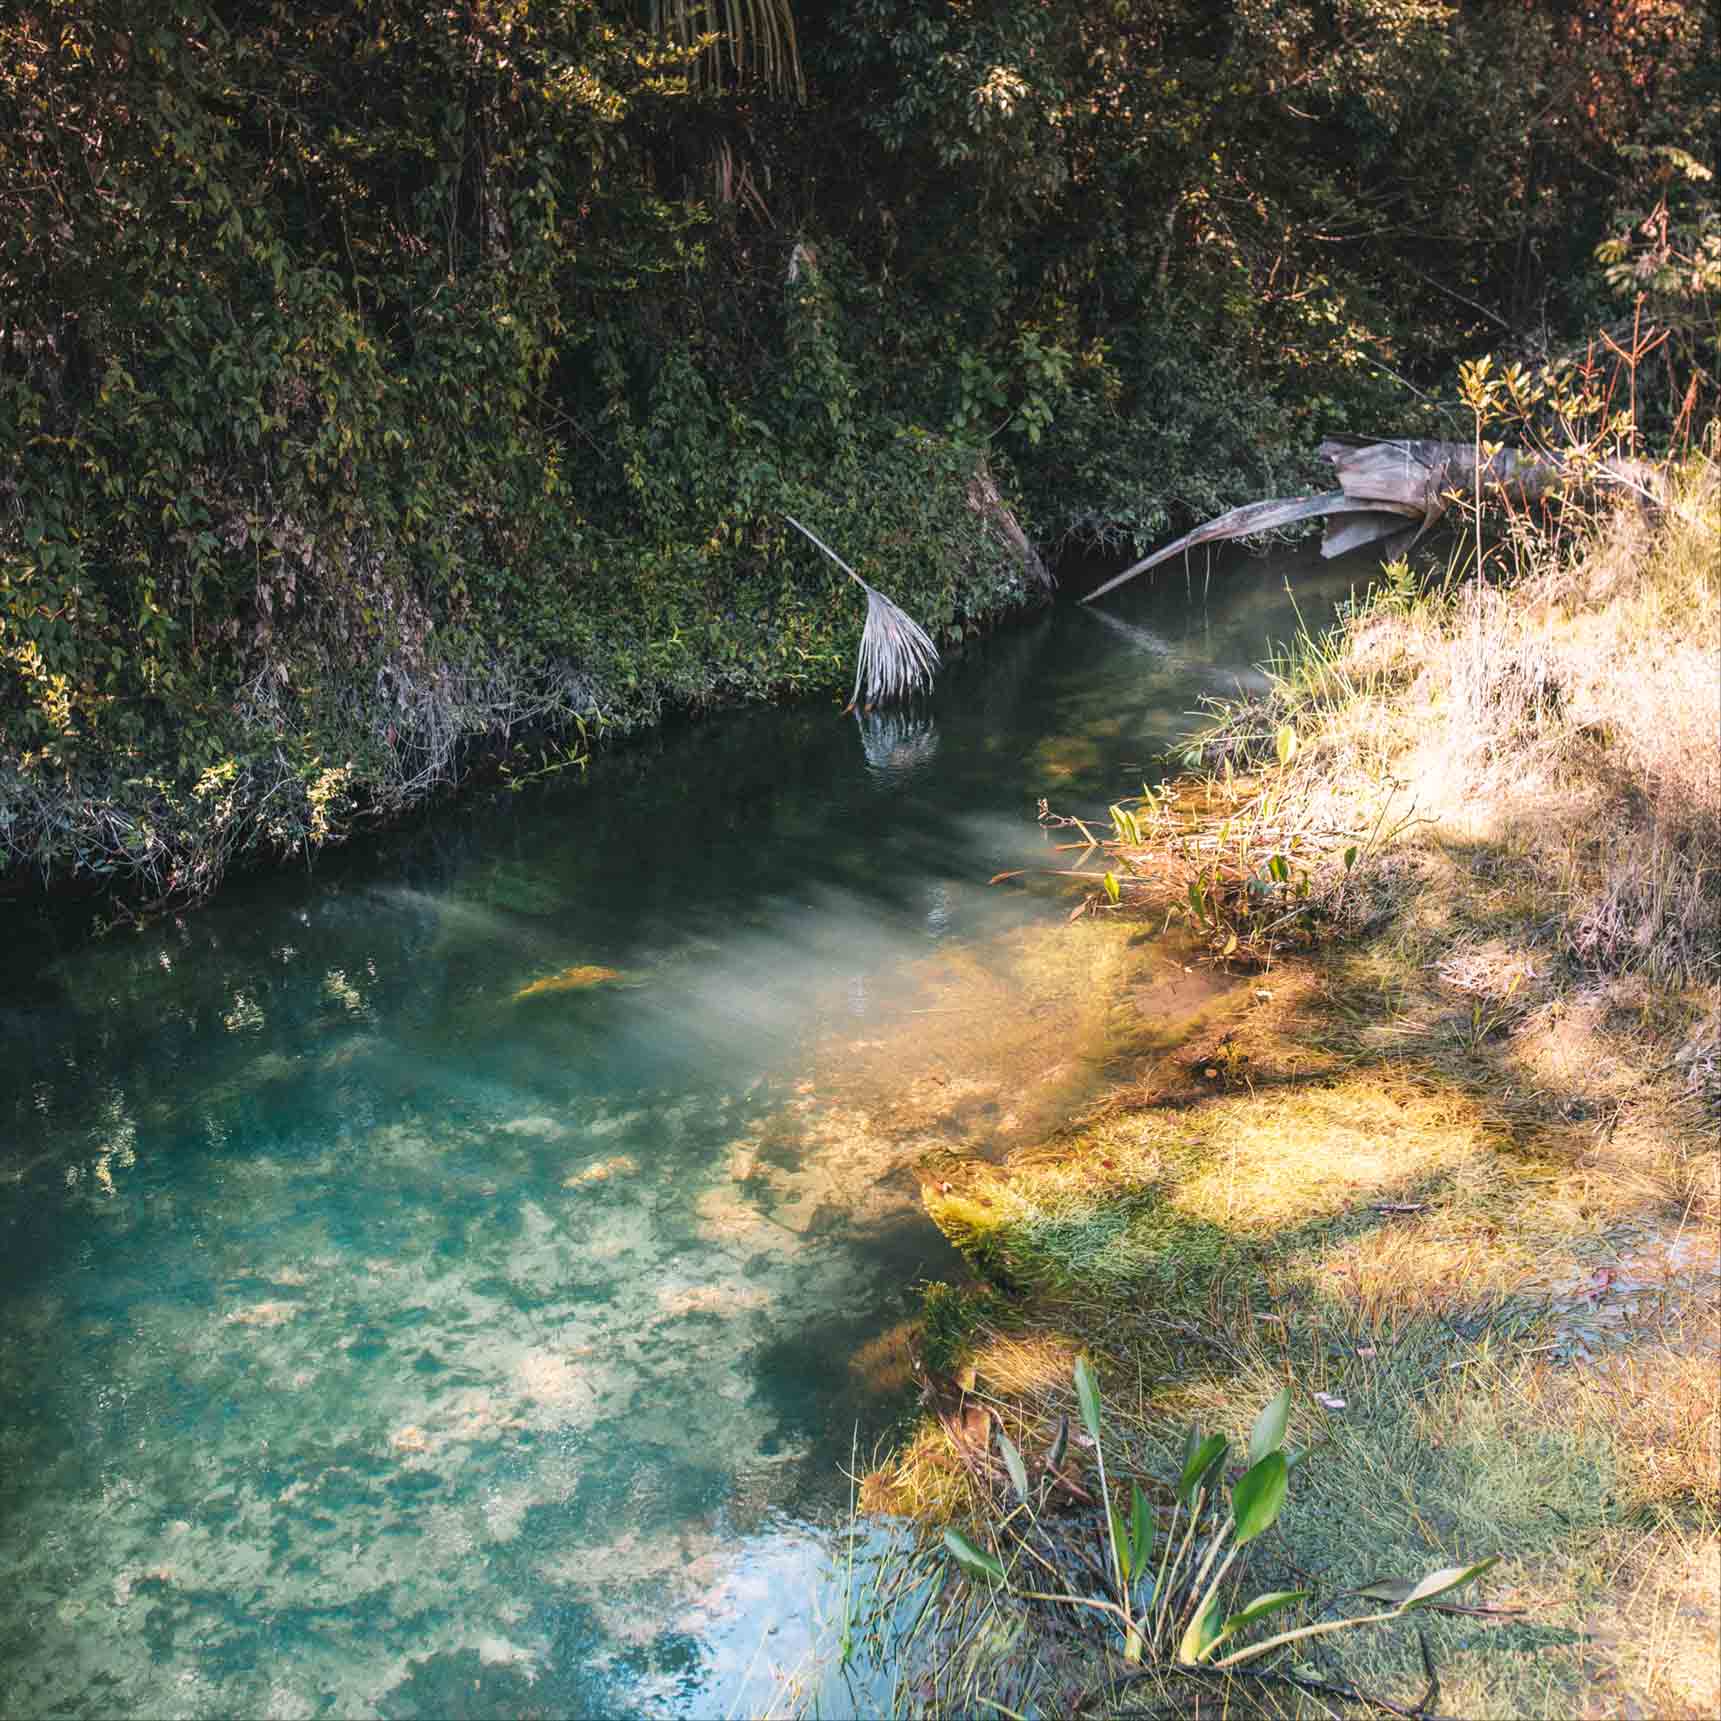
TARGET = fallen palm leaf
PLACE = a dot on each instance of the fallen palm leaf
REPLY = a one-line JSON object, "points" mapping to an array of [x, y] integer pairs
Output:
{"points": [[1388, 489], [897, 657]]}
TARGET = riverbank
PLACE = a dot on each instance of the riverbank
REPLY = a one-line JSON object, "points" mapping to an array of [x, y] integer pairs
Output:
{"points": [[1436, 1151], [317, 745]]}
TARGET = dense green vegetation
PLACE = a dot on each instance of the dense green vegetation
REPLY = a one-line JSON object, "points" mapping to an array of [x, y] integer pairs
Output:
{"points": [[375, 378]]}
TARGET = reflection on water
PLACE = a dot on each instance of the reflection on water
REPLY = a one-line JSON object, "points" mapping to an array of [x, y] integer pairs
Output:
{"points": [[452, 1284], [899, 743]]}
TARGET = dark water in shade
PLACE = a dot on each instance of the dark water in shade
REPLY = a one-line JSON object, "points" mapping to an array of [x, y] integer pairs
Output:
{"points": [[374, 1340]]}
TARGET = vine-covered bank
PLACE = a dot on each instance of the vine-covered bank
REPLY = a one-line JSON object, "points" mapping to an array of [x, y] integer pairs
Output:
{"points": [[380, 381]]}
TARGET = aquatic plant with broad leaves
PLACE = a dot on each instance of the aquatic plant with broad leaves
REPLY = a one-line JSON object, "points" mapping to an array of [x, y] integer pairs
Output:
{"points": [[1180, 1610]]}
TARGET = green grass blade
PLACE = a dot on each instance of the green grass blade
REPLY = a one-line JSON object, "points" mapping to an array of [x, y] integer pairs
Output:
{"points": [[1140, 1530]]}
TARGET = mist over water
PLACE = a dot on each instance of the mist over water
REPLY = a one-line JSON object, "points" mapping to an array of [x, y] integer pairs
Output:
{"points": [[444, 1284]]}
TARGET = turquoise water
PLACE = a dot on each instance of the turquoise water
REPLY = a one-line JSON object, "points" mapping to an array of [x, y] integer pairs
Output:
{"points": [[378, 1340]]}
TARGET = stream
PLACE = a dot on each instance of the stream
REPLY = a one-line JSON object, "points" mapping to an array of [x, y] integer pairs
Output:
{"points": [[454, 1281]]}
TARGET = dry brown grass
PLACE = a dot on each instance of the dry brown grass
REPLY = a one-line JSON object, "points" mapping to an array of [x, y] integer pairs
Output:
{"points": [[1458, 1171]]}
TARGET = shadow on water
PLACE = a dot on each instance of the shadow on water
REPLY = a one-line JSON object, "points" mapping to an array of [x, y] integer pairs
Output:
{"points": [[432, 1285]]}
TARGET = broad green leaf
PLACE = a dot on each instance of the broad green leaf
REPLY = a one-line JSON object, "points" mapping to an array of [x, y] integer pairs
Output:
{"points": [[1191, 1440], [1260, 1607], [1258, 1498], [1088, 1397], [1013, 1463], [971, 1559], [1120, 1544], [1285, 744], [1113, 894], [1449, 1578], [1213, 1476], [1280, 868], [1268, 1434], [1202, 1632], [1211, 1451], [1140, 1529], [1350, 857]]}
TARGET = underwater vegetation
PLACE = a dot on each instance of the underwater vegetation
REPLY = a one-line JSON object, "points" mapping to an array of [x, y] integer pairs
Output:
{"points": [[569, 980]]}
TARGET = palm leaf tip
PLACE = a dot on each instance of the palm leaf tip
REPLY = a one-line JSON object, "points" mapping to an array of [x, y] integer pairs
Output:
{"points": [[897, 657]]}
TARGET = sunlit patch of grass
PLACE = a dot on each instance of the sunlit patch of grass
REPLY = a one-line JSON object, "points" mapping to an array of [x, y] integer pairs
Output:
{"points": [[1441, 1450], [1405, 1270], [1654, 1630], [1384, 1189], [920, 1478], [1457, 1173], [1291, 1155], [1661, 1403]]}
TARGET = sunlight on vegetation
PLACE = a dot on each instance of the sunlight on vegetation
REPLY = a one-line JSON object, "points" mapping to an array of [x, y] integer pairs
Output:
{"points": [[1441, 1157], [394, 396]]}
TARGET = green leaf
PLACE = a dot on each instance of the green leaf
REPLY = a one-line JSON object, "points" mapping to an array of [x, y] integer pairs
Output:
{"points": [[1259, 1609], [1088, 1397], [1350, 857], [1113, 894], [1395, 1591], [1013, 1463], [970, 1558], [1280, 869], [1285, 744], [1140, 1529], [1268, 1434], [1120, 1544], [1202, 1632], [1448, 1578], [1209, 1453], [1258, 1499]]}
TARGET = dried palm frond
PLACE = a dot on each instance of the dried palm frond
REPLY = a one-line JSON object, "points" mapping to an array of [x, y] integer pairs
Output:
{"points": [[897, 657], [1402, 487], [751, 39]]}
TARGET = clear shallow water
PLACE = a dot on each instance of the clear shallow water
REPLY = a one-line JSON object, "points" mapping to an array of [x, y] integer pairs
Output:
{"points": [[376, 1340]]}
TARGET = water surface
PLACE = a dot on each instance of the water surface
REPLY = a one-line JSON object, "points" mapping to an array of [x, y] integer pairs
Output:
{"points": [[382, 1335]]}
